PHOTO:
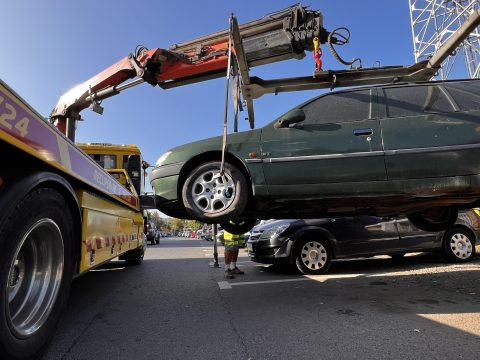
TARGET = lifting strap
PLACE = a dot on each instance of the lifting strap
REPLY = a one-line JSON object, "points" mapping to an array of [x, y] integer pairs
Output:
{"points": [[225, 115]]}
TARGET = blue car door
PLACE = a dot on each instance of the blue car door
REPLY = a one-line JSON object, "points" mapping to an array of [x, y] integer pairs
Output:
{"points": [[362, 235]]}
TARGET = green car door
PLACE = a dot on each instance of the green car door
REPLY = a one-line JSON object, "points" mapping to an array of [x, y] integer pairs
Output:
{"points": [[431, 131], [338, 147]]}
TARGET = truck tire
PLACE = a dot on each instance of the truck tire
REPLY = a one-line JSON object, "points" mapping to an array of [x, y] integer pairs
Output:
{"points": [[36, 240], [133, 257]]}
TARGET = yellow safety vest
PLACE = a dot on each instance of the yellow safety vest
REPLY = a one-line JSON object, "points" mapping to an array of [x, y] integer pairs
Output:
{"points": [[230, 239]]}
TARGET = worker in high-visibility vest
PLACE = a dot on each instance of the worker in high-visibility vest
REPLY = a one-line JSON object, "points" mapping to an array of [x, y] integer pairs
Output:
{"points": [[232, 245]]}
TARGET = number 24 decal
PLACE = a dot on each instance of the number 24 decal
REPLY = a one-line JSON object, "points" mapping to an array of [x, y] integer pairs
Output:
{"points": [[8, 119]]}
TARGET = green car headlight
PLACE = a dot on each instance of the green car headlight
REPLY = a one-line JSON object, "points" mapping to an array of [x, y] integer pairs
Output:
{"points": [[162, 158]]}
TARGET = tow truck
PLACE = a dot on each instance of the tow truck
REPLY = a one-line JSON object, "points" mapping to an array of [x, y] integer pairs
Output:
{"points": [[63, 214], [237, 50]]}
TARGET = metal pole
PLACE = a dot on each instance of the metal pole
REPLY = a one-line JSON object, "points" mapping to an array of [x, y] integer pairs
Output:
{"points": [[215, 252], [71, 127]]}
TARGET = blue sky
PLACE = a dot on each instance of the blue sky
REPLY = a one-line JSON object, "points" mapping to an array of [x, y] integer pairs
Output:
{"points": [[52, 45]]}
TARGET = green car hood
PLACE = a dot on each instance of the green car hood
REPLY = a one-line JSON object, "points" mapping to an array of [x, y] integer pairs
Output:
{"points": [[240, 144]]}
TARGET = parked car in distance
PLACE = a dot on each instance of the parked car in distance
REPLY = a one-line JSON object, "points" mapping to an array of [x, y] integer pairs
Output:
{"points": [[310, 245], [153, 235], [385, 150], [208, 234]]}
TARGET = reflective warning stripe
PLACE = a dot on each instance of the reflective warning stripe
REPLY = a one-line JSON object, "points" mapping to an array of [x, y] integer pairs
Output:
{"points": [[64, 153], [230, 239], [231, 243]]}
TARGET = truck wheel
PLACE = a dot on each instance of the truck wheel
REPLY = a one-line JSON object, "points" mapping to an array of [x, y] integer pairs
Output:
{"points": [[35, 272], [209, 196], [133, 257]]}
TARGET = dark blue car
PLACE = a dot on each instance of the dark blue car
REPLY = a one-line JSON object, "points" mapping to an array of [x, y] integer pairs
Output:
{"points": [[311, 244]]}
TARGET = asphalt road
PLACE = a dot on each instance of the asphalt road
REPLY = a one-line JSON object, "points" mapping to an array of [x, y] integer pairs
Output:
{"points": [[174, 306]]}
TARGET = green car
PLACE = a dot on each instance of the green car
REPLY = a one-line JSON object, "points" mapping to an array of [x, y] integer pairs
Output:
{"points": [[402, 149]]}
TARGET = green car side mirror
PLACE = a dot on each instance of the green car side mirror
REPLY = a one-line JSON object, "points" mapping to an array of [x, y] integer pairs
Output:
{"points": [[292, 117]]}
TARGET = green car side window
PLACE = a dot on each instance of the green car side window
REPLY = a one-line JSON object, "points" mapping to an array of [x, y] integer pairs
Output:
{"points": [[338, 107], [465, 94], [415, 100]]}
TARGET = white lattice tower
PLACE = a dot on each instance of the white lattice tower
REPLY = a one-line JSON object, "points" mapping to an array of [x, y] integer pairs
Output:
{"points": [[433, 21]]}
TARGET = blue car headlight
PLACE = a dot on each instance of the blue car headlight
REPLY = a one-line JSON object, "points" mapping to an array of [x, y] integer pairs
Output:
{"points": [[274, 232]]}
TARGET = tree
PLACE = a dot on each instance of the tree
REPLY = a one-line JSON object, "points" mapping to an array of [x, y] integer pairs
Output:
{"points": [[176, 224], [155, 217], [193, 224]]}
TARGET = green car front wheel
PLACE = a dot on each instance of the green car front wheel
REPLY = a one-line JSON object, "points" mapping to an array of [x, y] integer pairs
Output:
{"points": [[210, 196]]}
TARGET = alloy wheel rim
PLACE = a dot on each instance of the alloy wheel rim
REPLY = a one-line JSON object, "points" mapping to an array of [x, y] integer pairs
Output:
{"points": [[314, 255], [461, 246], [34, 278], [213, 192]]}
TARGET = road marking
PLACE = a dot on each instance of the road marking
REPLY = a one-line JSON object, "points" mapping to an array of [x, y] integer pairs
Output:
{"points": [[225, 285]]}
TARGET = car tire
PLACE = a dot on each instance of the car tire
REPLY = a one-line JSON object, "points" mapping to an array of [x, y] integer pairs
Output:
{"points": [[313, 256], [209, 197], [435, 219], [35, 273], [238, 226], [458, 245]]}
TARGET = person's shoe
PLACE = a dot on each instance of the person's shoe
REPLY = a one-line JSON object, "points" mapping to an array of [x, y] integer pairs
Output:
{"points": [[237, 271], [229, 274]]}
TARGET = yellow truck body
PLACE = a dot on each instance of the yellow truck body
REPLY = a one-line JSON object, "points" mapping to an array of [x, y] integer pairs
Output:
{"points": [[61, 214]]}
